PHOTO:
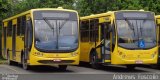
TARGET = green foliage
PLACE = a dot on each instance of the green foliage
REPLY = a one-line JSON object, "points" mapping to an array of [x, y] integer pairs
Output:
{"points": [[84, 7], [87, 7], [31, 4], [4, 8]]}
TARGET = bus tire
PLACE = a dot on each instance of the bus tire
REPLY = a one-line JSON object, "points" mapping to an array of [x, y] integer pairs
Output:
{"points": [[62, 67], [8, 59], [131, 67], [24, 63], [94, 60]]}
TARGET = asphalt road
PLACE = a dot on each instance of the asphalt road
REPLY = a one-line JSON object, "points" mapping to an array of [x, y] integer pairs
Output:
{"points": [[72, 73]]}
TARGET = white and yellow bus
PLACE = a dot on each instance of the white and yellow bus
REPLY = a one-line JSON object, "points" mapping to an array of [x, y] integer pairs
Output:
{"points": [[125, 37], [44, 36]]}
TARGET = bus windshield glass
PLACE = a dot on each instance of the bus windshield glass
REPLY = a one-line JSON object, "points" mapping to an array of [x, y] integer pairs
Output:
{"points": [[56, 33], [132, 32]]}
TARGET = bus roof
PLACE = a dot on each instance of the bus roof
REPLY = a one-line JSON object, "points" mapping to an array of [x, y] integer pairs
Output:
{"points": [[108, 14], [38, 9]]}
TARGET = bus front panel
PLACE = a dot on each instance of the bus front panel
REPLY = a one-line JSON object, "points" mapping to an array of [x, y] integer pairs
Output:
{"points": [[136, 38], [56, 38]]}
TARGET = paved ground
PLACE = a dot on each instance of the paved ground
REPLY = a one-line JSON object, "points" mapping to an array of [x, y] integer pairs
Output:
{"points": [[73, 72]]}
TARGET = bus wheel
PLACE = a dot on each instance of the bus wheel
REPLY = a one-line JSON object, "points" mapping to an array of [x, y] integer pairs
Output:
{"points": [[131, 67], [63, 67], [8, 59], [93, 60], [24, 63]]}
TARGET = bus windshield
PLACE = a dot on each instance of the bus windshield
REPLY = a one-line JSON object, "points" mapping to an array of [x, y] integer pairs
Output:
{"points": [[131, 31], [56, 34]]}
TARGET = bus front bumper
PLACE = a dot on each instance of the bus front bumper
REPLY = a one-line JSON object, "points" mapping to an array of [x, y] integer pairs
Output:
{"points": [[54, 61]]}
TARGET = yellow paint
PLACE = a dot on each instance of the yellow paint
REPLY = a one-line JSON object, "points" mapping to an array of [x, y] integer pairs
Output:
{"points": [[107, 61], [14, 21], [5, 24], [104, 19], [131, 56]]}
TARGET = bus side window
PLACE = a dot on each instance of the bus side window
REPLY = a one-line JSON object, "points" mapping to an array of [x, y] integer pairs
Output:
{"points": [[94, 30], [105, 34], [23, 25], [107, 31], [84, 31], [9, 29], [18, 26]]}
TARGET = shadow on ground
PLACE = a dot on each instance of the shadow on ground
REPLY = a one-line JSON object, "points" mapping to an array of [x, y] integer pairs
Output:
{"points": [[114, 68], [44, 69]]}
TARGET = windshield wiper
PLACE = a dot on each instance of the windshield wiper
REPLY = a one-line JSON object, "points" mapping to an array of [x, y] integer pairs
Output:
{"points": [[48, 23], [130, 26], [52, 27], [62, 25]]}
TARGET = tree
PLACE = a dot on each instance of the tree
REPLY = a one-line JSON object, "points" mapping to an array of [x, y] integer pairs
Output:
{"points": [[3, 9], [87, 7]]}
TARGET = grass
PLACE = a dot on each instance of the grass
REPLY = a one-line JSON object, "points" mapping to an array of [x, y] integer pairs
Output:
{"points": [[2, 60]]}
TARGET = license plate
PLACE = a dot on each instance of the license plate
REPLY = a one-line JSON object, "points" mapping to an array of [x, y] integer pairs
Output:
{"points": [[57, 60], [138, 62]]}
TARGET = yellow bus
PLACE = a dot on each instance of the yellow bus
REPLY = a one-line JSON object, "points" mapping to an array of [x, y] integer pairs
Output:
{"points": [[158, 32], [44, 36], [125, 37]]}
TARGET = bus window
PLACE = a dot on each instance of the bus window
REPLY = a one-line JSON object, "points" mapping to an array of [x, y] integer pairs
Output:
{"points": [[28, 35], [85, 31], [23, 25], [9, 28], [94, 30], [18, 26], [14, 40], [105, 35]]}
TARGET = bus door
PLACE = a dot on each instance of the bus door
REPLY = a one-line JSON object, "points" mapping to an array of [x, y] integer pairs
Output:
{"points": [[106, 40], [158, 33], [28, 38], [14, 42]]}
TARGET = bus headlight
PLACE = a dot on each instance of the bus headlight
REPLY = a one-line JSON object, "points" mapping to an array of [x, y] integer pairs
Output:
{"points": [[74, 54], [120, 53]]}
